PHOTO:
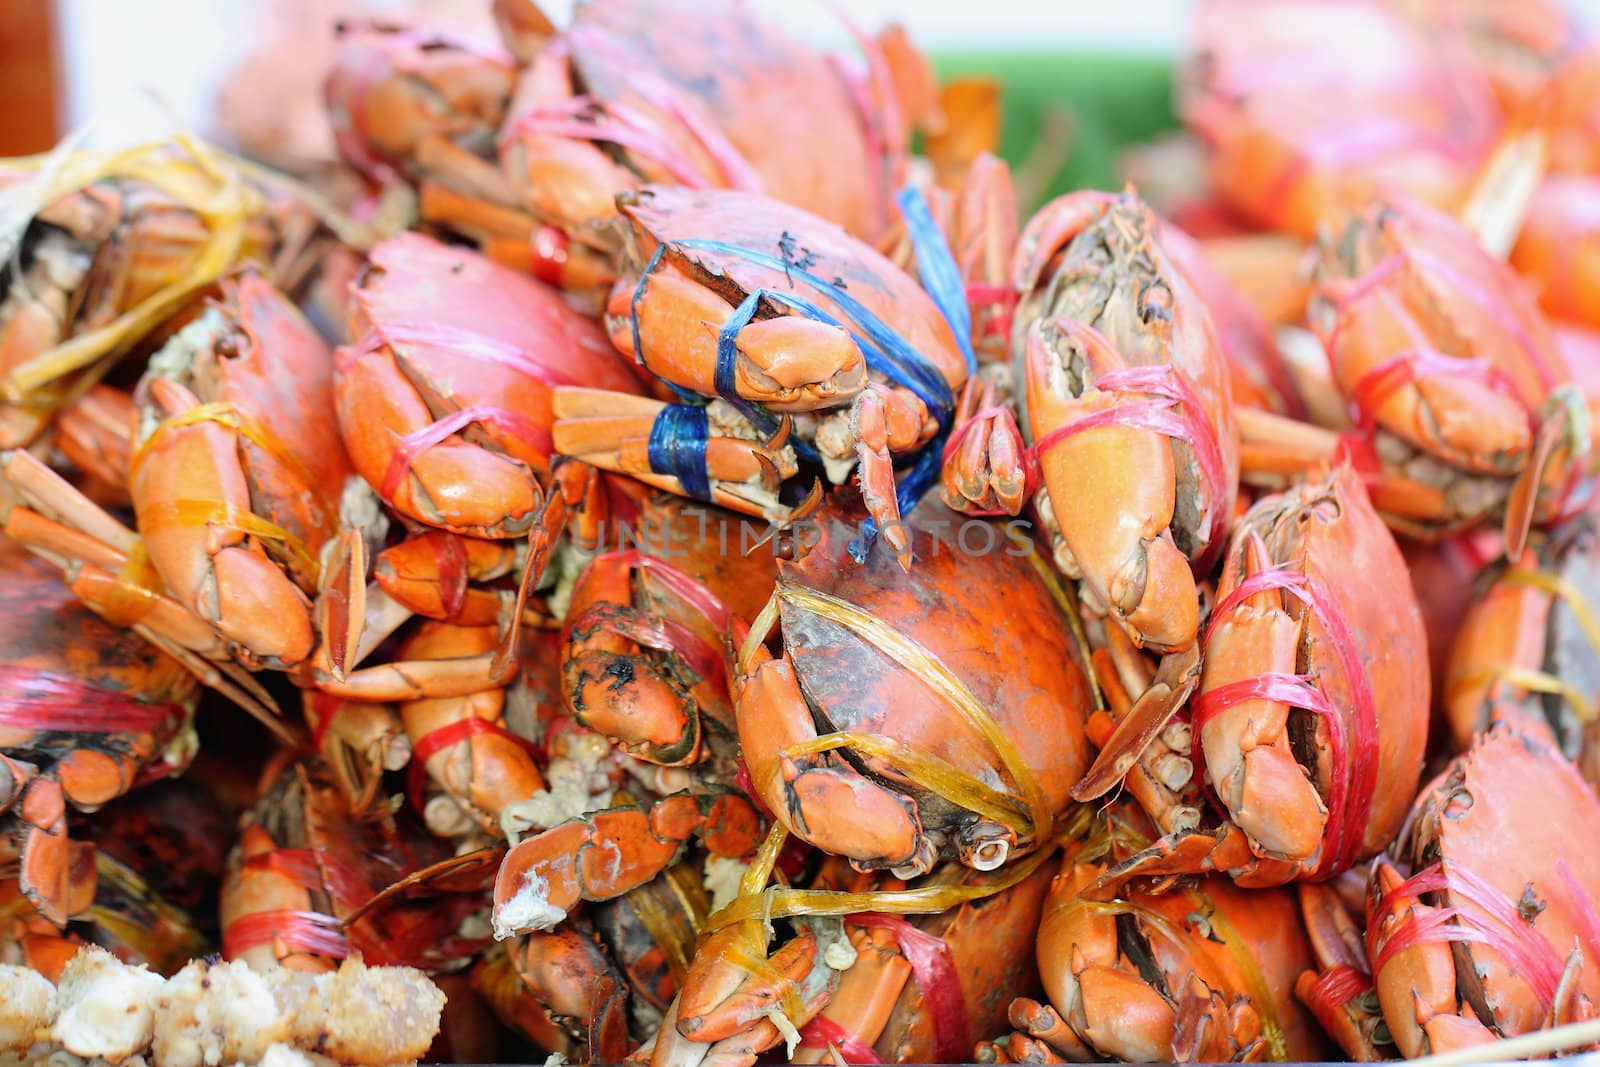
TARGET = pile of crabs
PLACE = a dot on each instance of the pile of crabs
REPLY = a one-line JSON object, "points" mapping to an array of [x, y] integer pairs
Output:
{"points": [[640, 566]]}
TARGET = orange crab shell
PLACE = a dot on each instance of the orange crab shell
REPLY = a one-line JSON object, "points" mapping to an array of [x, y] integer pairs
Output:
{"points": [[444, 330], [971, 608]]}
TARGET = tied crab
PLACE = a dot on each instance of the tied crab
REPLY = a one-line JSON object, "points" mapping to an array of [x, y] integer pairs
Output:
{"points": [[635, 92], [88, 713], [1464, 409], [1123, 376], [408, 103], [245, 556], [445, 402], [109, 246], [789, 342], [301, 889], [929, 988], [1482, 940], [873, 735], [650, 634], [1199, 971], [1527, 651], [1314, 691], [1291, 128]]}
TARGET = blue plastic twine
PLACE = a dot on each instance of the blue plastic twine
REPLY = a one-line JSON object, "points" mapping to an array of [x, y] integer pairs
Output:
{"points": [[678, 447], [678, 441]]}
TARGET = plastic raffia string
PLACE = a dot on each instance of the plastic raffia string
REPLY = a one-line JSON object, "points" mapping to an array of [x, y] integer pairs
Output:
{"points": [[1352, 738], [39, 700], [677, 441], [1488, 918], [464, 729], [656, 631], [1532, 679], [463, 346], [1255, 981], [220, 513], [1029, 819], [1382, 380], [205, 182], [1333, 989]]}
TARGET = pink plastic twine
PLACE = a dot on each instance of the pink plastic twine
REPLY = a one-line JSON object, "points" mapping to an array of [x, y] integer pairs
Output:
{"points": [[1352, 738], [935, 972], [406, 450], [1164, 389], [1492, 920]]}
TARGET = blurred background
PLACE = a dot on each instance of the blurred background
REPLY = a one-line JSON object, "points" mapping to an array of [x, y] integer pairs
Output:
{"points": [[1091, 75]]}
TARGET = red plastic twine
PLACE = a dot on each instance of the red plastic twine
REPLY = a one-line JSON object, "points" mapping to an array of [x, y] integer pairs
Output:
{"points": [[39, 700], [327, 708], [425, 747], [935, 972], [822, 1031], [1352, 737], [1492, 920], [297, 931], [314, 869], [1334, 988], [1003, 298], [451, 557]]}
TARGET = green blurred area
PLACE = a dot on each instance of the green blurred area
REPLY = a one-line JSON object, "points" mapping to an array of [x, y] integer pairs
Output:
{"points": [[1110, 101]]}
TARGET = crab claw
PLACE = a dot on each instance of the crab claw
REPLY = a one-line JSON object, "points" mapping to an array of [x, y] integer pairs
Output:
{"points": [[1249, 757], [785, 362], [821, 799], [1111, 489], [724, 999], [983, 470], [607, 853]]}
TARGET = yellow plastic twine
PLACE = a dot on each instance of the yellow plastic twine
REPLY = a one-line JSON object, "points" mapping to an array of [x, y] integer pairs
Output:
{"points": [[1531, 679], [200, 513], [1255, 981], [202, 182], [1030, 819]]}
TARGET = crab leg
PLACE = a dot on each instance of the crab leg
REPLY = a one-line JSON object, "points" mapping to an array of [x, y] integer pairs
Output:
{"points": [[607, 853]]}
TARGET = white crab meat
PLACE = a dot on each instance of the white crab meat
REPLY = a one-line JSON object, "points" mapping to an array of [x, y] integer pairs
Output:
{"points": [[218, 1013], [529, 909], [25, 1004], [105, 1007]]}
